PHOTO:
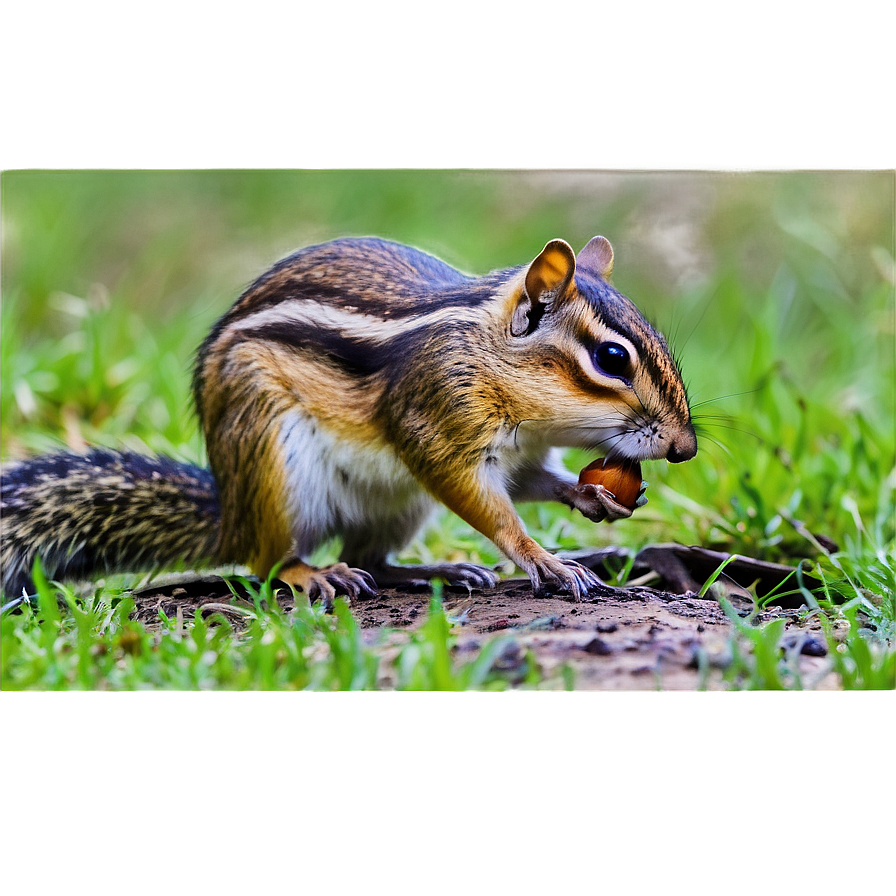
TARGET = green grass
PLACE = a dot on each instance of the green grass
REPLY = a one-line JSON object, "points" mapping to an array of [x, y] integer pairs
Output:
{"points": [[776, 291], [62, 641]]}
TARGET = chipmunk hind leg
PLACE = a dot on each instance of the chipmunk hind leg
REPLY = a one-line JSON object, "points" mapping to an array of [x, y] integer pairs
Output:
{"points": [[371, 547]]}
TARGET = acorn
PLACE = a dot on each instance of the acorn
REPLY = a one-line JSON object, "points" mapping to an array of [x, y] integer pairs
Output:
{"points": [[620, 477]]}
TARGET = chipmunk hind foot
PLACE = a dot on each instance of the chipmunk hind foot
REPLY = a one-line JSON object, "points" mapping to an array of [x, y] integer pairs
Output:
{"points": [[325, 584], [413, 577]]}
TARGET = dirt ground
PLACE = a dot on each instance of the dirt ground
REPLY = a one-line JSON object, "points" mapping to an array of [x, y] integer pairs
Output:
{"points": [[640, 638]]}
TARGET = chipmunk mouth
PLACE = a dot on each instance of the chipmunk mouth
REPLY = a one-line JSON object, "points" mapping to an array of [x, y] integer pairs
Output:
{"points": [[617, 438], [649, 440], [630, 446]]}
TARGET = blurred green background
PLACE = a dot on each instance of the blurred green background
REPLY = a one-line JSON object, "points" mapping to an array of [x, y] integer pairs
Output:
{"points": [[775, 289]]}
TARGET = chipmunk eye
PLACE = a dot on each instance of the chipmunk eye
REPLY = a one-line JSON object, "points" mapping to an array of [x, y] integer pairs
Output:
{"points": [[612, 359]]}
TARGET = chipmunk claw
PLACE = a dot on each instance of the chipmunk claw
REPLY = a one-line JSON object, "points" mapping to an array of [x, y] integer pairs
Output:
{"points": [[325, 585], [565, 579], [471, 576], [418, 578], [597, 503]]}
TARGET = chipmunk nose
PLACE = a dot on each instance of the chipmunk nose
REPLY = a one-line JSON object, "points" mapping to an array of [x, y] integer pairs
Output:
{"points": [[682, 447]]}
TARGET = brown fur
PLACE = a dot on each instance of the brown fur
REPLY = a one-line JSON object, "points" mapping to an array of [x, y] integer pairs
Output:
{"points": [[415, 376], [445, 401]]}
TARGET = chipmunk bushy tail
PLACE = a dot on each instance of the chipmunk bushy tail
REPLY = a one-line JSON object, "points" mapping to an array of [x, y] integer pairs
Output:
{"points": [[104, 511]]}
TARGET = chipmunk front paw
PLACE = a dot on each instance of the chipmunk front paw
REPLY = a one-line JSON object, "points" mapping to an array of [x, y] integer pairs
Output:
{"points": [[597, 503], [553, 577]]}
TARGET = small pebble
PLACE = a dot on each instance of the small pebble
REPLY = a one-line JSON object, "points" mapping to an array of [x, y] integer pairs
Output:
{"points": [[813, 647], [598, 647], [810, 646]]}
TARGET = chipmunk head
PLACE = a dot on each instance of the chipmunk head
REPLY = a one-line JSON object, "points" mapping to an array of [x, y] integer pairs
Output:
{"points": [[606, 378]]}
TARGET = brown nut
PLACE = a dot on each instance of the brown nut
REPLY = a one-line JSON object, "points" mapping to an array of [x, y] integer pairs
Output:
{"points": [[620, 477]]}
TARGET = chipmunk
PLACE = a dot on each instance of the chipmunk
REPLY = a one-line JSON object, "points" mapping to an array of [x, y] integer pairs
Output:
{"points": [[351, 388]]}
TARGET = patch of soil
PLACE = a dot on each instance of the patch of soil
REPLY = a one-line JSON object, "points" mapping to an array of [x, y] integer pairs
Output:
{"points": [[638, 638]]}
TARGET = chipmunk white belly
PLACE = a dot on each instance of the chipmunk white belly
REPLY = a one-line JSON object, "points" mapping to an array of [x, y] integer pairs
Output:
{"points": [[335, 486]]}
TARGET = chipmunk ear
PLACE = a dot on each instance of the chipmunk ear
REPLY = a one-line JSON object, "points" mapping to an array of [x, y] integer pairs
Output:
{"points": [[546, 280], [597, 256]]}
